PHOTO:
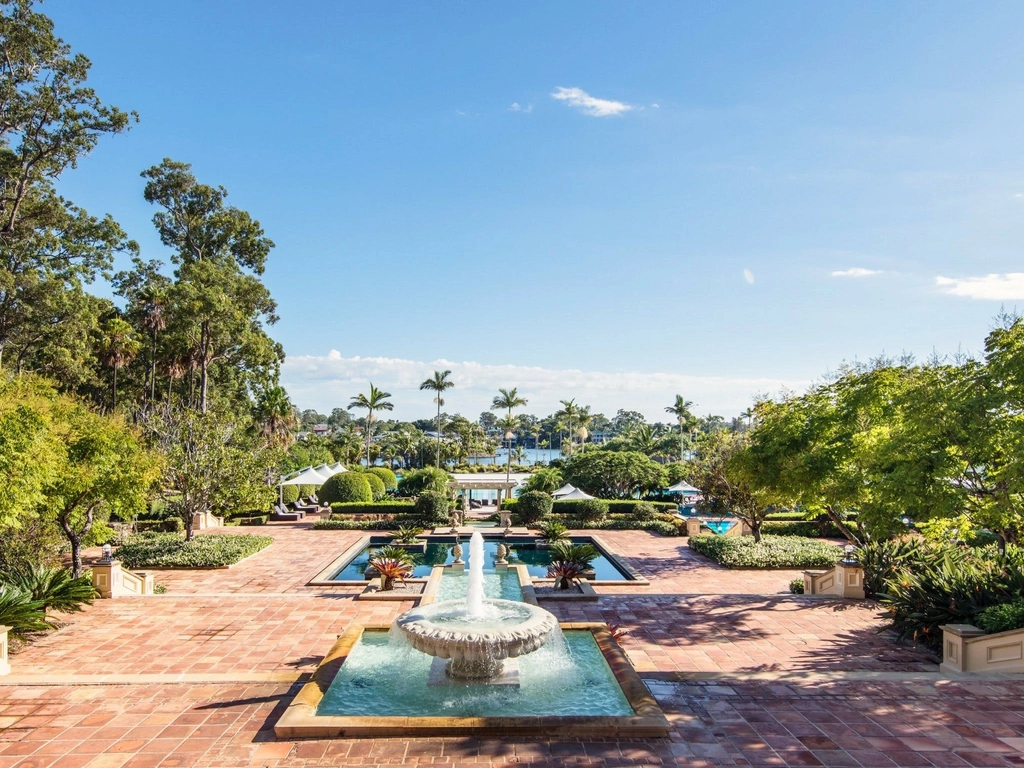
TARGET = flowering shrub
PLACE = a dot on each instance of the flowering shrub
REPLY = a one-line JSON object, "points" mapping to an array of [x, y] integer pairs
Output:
{"points": [[770, 552]]}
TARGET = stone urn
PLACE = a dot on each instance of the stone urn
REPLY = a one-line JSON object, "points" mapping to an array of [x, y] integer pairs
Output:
{"points": [[457, 552], [502, 554]]}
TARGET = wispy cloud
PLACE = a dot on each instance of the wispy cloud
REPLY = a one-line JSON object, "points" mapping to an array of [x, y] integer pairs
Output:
{"points": [[589, 105], [856, 272], [329, 381], [748, 276], [994, 287], [517, 107]]}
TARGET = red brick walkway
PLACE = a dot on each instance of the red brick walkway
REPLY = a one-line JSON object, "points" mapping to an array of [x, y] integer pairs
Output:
{"points": [[747, 674]]}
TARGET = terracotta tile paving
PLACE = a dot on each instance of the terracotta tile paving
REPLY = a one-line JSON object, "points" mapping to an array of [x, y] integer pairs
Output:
{"points": [[757, 702]]}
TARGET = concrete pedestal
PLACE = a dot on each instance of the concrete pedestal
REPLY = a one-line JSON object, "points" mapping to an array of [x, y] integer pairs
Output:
{"points": [[5, 665]]}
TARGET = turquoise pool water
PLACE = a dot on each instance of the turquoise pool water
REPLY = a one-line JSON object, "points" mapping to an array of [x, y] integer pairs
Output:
{"points": [[719, 526], [536, 559]]}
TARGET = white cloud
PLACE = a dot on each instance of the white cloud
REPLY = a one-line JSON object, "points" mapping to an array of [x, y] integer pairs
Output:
{"points": [[329, 381], [1008, 287], [517, 107], [655, 105], [589, 105], [855, 272], [748, 276]]}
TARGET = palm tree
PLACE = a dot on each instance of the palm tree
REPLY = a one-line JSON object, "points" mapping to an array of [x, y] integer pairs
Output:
{"points": [[155, 321], [748, 415], [275, 415], [643, 439], [570, 412], [438, 383], [508, 399], [681, 410], [119, 347], [377, 400]]}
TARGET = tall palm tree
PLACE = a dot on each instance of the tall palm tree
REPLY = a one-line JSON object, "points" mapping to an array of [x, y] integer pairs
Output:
{"points": [[681, 410], [507, 400], [275, 415], [570, 413], [376, 400], [643, 439], [118, 348], [438, 383], [748, 415], [154, 320]]}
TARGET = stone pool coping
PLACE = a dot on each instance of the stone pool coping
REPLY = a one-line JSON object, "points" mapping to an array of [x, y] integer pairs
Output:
{"points": [[300, 720], [323, 577]]}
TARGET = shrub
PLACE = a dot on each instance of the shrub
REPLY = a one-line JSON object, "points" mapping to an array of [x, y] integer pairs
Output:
{"points": [[378, 508], [630, 506], [570, 562], [664, 527], [386, 476], [806, 528], [20, 612], [881, 560], [796, 586], [552, 531], [533, 506], [420, 480], [289, 494], [305, 491], [358, 525], [952, 586], [168, 525], [770, 552], [407, 534], [643, 512], [376, 486], [170, 550], [433, 508], [346, 487], [591, 510], [1002, 618], [56, 588]]}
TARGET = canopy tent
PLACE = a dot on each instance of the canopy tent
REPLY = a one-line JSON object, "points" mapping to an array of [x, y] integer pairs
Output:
{"points": [[328, 470], [336, 468], [563, 491], [576, 493], [307, 476], [682, 487]]}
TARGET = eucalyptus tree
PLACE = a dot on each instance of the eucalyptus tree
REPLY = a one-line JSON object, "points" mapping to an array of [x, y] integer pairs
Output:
{"points": [[438, 383], [219, 253], [372, 402], [681, 410], [508, 400], [49, 247]]}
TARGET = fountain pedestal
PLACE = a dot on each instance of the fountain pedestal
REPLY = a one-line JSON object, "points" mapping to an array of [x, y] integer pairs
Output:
{"points": [[508, 675]]}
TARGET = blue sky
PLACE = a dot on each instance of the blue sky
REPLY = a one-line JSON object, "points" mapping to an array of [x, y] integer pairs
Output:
{"points": [[608, 201]]}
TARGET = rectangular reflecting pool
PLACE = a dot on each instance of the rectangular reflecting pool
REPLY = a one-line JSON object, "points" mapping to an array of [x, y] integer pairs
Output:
{"points": [[378, 679], [438, 552]]}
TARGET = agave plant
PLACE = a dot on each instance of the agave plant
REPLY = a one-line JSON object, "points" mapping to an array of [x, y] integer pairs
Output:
{"points": [[407, 534], [56, 588], [392, 564], [20, 612], [552, 531]]}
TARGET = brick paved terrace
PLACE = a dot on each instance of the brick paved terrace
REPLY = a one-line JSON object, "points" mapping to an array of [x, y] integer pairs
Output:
{"points": [[746, 673]]}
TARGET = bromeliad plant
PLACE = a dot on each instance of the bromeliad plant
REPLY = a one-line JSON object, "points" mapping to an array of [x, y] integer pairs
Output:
{"points": [[392, 564], [570, 562]]}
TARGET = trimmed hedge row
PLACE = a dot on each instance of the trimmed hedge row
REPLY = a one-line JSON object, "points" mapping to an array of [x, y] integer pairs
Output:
{"points": [[806, 528], [170, 550], [378, 508], [361, 525], [615, 507], [770, 552]]}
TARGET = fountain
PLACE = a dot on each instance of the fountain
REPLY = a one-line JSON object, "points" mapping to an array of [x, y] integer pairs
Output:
{"points": [[476, 635]]}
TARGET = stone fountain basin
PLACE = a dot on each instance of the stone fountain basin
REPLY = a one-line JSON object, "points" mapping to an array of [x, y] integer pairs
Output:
{"points": [[507, 629]]}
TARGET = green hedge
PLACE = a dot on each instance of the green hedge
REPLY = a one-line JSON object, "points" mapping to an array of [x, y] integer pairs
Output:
{"points": [[166, 525], [346, 487], [289, 494], [388, 477], [378, 508], [806, 528], [628, 506], [247, 520], [770, 552], [376, 486], [361, 525], [170, 550]]}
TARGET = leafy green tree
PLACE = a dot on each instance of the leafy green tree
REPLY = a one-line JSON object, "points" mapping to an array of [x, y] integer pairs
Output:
{"points": [[49, 247], [219, 252], [211, 463], [104, 470], [274, 414], [613, 474], [438, 384], [30, 448], [718, 472], [146, 290], [376, 400], [547, 480]]}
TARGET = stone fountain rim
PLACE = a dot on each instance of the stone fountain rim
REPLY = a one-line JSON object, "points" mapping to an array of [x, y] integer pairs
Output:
{"points": [[538, 623]]}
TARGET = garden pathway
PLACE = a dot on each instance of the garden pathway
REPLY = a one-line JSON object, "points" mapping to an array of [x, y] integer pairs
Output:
{"points": [[747, 674]]}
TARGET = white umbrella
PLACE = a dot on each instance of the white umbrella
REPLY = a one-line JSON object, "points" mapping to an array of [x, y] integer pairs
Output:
{"points": [[576, 493], [682, 487], [336, 468], [307, 476], [563, 491], [325, 470]]}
